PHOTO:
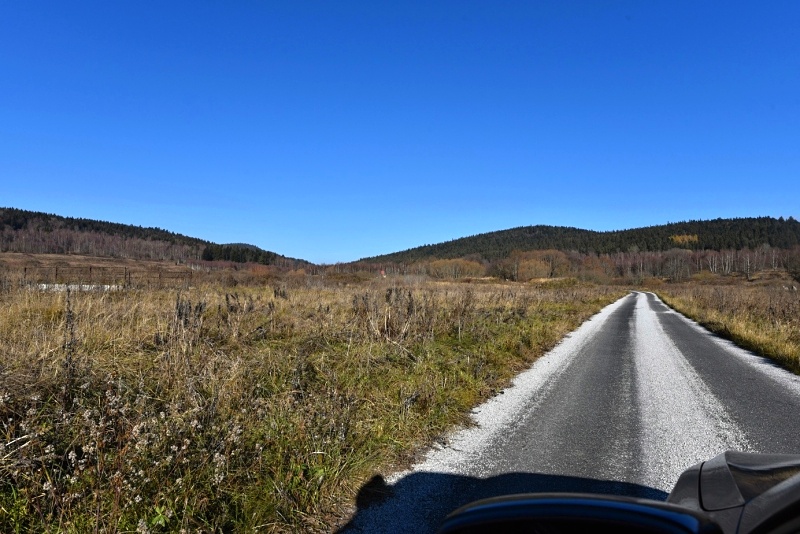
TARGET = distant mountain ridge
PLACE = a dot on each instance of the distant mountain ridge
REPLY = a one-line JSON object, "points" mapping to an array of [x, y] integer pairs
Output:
{"points": [[45, 233], [42, 233], [716, 234]]}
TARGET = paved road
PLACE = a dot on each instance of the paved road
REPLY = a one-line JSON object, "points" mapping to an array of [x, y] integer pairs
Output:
{"points": [[623, 405]]}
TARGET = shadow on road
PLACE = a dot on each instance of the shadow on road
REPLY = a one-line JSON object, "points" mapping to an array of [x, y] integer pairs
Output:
{"points": [[419, 502]]}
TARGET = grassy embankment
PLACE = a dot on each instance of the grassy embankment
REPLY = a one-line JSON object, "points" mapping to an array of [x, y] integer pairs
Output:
{"points": [[259, 410], [762, 318]]}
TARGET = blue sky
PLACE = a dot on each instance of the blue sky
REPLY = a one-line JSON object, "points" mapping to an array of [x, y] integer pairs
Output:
{"points": [[331, 131]]}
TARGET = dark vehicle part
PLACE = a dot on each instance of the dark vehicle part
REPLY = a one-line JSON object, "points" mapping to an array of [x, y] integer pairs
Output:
{"points": [[733, 493], [743, 492], [575, 512]]}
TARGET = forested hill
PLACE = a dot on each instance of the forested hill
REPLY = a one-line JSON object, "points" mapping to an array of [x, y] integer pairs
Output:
{"points": [[718, 234], [44, 233]]}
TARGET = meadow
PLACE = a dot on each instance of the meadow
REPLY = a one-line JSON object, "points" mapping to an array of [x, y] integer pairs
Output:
{"points": [[258, 406]]}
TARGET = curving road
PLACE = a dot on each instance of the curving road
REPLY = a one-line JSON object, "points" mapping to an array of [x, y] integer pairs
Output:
{"points": [[623, 405]]}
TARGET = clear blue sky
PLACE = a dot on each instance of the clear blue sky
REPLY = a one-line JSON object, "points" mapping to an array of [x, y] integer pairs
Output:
{"points": [[335, 130]]}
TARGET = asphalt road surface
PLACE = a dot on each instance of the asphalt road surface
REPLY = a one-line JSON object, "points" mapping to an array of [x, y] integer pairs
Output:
{"points": [[622, 406]]}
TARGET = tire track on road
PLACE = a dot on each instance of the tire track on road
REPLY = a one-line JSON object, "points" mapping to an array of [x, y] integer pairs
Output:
{"points": [[682, 422]]}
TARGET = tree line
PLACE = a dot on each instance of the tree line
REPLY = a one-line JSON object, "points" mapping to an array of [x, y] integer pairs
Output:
{"points": [[676, 264], [69, 241], [239, 253]]}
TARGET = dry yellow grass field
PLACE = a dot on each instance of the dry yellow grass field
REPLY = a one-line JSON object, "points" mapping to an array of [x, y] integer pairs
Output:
{"points": [[254, 408]]}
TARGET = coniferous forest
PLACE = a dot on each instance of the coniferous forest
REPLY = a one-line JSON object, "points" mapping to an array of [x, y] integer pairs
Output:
{"points": [[718, 234]]}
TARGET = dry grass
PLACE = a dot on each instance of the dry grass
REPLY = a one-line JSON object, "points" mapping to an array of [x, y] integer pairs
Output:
{"points": [[764, 318], [262, 409]]}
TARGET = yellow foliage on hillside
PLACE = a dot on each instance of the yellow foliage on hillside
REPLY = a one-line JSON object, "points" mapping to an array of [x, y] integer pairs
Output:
{"points": [[685, 239]]}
